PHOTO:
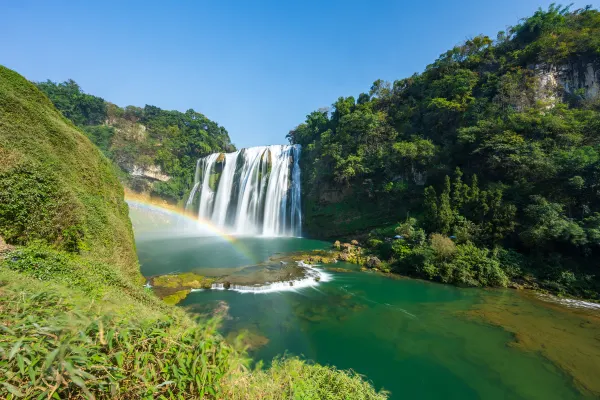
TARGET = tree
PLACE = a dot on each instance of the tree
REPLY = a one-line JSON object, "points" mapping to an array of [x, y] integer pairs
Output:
{"points": [[430, 208], [445, 213]]}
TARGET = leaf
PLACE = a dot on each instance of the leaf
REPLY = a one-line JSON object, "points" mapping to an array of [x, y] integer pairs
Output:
{"points": [[12, 389], [15, 349], [119, 358]]}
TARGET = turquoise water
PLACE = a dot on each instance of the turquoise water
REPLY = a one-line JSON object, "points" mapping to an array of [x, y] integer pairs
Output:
{"points": [[416, 339]]}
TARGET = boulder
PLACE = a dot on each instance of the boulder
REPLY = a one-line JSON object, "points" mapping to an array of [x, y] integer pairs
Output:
{"points": [[373, 262]]}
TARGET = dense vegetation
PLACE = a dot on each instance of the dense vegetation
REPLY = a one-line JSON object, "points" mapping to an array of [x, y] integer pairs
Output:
{"points": [[75, 321], [483, 148], [140, 139], [55, 186]]}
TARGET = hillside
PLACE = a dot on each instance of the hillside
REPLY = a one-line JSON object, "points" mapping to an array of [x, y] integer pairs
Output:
{"points": [[495, 145], [75, 321], [55, 185], [155, 150]]}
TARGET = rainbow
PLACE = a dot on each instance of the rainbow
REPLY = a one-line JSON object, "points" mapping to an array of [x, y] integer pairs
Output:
{"points": [[172, 211]]}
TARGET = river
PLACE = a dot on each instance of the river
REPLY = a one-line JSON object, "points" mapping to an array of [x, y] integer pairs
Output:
{"points": [[416, 339]]}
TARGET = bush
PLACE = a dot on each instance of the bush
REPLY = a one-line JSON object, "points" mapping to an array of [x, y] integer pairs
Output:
{"points": [[511, 262], [442, 246], [472, 266]]}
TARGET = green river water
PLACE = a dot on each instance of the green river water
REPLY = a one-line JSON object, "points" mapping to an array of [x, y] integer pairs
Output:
{"points": [[416, 339]]}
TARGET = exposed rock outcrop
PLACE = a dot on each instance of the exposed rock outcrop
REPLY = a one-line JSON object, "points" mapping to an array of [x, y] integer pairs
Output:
{"points": [[578, 78]]}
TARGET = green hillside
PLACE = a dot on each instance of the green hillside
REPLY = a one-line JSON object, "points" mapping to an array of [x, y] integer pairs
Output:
{"points": [[55, 185], [495, 144]]}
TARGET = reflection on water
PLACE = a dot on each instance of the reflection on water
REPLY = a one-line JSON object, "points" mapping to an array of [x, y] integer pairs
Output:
{"points": [[416, 339]]}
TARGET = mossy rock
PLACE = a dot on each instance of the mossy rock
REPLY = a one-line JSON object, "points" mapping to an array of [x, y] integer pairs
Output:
{"points": [[171, 288], [186, 280], [247, 339], [176, 297]]}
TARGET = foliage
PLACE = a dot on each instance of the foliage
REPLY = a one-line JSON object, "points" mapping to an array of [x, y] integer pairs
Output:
{"points": [[442, 246], [293, 378], [55, 186], [60, 347], [480, 146]]}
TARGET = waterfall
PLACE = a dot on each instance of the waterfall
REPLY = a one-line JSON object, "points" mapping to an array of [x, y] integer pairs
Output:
{"points": [[253, 191]]}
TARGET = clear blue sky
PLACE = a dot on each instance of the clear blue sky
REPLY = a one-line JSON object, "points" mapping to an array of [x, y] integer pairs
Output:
{"points": [[255, 67]]}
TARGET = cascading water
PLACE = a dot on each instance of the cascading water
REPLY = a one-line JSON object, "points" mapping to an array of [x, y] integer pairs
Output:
{"points": [[253, 191]]}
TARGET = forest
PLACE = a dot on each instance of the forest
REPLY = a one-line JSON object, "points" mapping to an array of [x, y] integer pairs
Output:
{"points": [[138, 139], [481, 170]]}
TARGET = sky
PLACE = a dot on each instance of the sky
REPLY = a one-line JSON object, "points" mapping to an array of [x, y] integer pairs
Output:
{"points": [[255, 67]]}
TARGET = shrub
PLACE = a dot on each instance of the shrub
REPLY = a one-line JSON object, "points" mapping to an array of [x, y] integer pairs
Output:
{"points": [[442, 246], [511, 262], [473, 266]]}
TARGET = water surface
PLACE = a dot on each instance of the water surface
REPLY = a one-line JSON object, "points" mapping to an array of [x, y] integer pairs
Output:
{"points": [[417, 339]]}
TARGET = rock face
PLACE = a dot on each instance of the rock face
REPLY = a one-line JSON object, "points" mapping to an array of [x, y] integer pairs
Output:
{"points": [[578, 78], [152, 172]]}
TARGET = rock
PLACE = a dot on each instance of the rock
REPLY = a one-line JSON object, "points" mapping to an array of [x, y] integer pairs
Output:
{"points": [[373, 262], [5, 248], [346, 246], [176, 297], [337, 245], [227, 285], [354, 242], [343, 256], [221, 310]]}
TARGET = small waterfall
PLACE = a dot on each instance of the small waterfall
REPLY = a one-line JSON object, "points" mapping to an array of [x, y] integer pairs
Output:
{"points": [[254, 191]]}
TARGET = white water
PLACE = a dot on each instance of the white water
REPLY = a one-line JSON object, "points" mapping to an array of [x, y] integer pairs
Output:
{"points": [[312, 279], [258, 190]]}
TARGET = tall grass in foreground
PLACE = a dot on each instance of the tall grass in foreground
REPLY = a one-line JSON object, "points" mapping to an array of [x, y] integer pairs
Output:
{"points": [[51, 349], [60, 343]]}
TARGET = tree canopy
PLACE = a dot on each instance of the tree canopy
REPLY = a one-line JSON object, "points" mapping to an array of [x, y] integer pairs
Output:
{"points": [[480, 146]]}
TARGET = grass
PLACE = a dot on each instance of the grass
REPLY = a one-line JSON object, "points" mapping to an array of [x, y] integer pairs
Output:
{"points": [[55, 343], [292, 378], [55, 185]]}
